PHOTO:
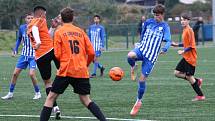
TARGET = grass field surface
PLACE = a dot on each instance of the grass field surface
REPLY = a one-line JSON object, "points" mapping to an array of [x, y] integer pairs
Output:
{"points": [[167, 98]]}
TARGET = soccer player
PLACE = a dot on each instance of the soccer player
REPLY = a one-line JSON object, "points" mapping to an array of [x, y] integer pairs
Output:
{"points": [[154, 32], [26, 59], [55, 24], [73, 49], [97, 35], [186, 67], [44, 52]]}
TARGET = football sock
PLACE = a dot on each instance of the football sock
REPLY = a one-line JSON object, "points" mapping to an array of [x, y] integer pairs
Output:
{"points": [[100, 65], [12, 86], [47, 92], [36, 88], [131, 61], [45, 113], [95, 110], [95, 67], [197, 89], [141, 89]]}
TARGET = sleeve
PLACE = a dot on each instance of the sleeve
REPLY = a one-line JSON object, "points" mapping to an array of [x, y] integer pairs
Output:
{"points": [[57, 45], [89, 49], [191, 39], [103, 36], [167, 39], [143, 30], [18, 41], [36, 35], [88, 33]]}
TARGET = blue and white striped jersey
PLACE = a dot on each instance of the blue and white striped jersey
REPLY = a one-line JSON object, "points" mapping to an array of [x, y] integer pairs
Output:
{"points": [[152, 35], [27, 49], [97, 35]]}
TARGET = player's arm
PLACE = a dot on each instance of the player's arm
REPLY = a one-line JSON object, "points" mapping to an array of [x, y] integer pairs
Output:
{"points": [[18, 41], [103, 36], [167, 39], [57, 45], [89, 50], [191, 40], [36, 35]]}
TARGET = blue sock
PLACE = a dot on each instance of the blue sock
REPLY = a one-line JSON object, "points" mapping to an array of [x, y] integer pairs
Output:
{"points": [[131, 61], [12, 86], [100, 65], [36, 88], [95, 67], [141, 89]]}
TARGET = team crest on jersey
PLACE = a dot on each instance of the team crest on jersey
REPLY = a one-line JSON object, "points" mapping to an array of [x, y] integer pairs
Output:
{"points": [[160, 28]]}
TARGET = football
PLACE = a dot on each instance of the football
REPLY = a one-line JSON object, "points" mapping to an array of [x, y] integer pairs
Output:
{"points": [[116, 73]]}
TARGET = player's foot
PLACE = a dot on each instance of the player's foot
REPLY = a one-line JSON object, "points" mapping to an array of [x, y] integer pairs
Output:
{"points": [[133, 75], [8, 96], [102, 71], [200, 82], [199, 98], [136, 108], [37, 96], [56, 110], [93, 76]]}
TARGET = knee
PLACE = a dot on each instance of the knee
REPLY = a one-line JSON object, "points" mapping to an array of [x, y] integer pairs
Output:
{"points": [[131, 55], [31, 74], [85, 100], [176, 73], [15, 74]]}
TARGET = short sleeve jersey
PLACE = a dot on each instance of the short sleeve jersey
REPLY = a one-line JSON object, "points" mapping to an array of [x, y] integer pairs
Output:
{"points": [[46, 41], [71, 47], [188, 40]]}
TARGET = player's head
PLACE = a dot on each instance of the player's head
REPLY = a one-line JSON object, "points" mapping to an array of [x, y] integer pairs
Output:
{"points": [[28, 17], [96, 19], [158, 12], [185, 19], [39, 11], [67, 15]]}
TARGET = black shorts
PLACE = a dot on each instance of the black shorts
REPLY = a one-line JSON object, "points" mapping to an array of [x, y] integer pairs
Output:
{"points": [[80, 85], [185, 67], [44, 64]]}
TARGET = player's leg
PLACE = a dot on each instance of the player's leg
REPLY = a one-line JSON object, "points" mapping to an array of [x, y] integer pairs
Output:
{"points": [[59, 86], [21, 64], [100, 66], [15, 75], [44, 66], [95, 66], [32, 74], [82, 87], [132, 57], [147, 67]]}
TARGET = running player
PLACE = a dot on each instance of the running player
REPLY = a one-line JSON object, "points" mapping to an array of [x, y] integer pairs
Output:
{"points": [[26, 59], [44, 52], [154, 31], [97, 35], [186, 67], [73, 49]]}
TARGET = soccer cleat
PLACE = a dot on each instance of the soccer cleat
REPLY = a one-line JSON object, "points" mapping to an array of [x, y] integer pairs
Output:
{"points": [[93, 76], [102, 71], [56, 110], [37, 96], [199, 98], [200, 82], [136, 108], [8, 96], [133, 75]]}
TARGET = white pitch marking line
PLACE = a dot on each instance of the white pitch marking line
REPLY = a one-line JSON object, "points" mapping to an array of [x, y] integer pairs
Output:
{"points": [[73, 117]]}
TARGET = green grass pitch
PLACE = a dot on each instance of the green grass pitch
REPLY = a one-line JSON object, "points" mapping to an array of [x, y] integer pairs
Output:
{"points": [[167, 98]]}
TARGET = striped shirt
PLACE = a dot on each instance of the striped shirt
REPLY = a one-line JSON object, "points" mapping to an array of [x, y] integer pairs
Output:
{"points": [[152, 35], [97, 35], [27, 49]]}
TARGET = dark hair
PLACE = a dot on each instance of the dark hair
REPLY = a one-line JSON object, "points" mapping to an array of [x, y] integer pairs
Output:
{"points": [[159, 8], [97, 16], [67, 14], [186, 16], [39, 8], [28, 14]]}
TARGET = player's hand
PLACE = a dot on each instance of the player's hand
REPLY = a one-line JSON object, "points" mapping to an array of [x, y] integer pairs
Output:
{"points": [[37, 46], [14, 53], [102, 49], [174, 44], [162, 53], [180, 52]]}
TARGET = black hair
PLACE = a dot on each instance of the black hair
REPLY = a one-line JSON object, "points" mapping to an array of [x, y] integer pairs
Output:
{"points": [[67, 14], [39, 8], [98, 16], [186, 16]]}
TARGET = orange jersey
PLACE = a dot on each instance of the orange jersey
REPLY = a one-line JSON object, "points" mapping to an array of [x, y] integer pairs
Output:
{"points": [[188, 40], [46, 41], [74, 50]]}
